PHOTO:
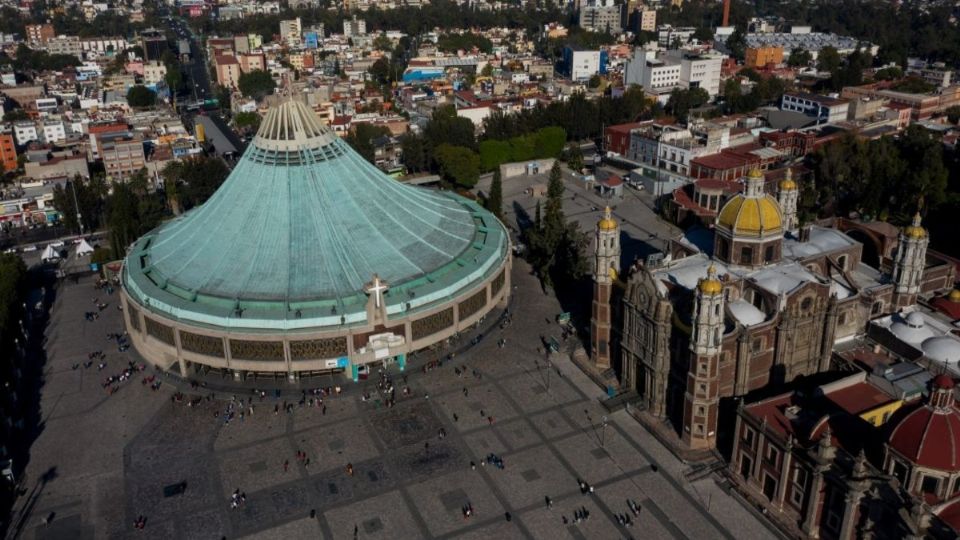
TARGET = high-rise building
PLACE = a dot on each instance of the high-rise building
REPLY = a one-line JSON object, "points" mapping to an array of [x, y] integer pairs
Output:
{"points": [[354, 27], [291, 31]]}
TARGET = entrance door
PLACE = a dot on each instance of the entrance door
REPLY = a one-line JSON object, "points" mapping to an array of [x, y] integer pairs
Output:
{"points": [[769, 486]]}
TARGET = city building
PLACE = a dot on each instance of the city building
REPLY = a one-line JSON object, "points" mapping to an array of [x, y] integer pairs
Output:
{"points": [[648, 20], [354, 27], [39, 34], [25, 132], [122, 155], [291, 32], [228, 71], [803, 38], [758, 300], [601, 16], [824, 109], [154, 73], [154, 43], [8, 152], [368, 271], [252, 61], [759, 57], [579, 64], [659, 72], [674, 37]]}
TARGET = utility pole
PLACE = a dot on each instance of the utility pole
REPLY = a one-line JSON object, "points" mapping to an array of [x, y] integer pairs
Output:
{"points": [[76, 205]]}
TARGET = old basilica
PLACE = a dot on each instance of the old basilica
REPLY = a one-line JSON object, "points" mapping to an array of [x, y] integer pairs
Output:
{"points": [[758, 300]]}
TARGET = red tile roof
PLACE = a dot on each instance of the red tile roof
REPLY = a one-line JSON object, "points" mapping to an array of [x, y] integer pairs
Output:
{"points": [[929, 437], [944, 305], [721, 161], [859, 398]]}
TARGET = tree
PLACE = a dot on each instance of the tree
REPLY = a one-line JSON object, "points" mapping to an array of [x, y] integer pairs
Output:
{"points": [[682, 100], [594, 81], [737, 45], [16, 115], [799, 57], [458, 165], [190, 182], [549, 142], [380, 71], [888, 74], [828, 60], [445, 127], [953, 114], [416, 157], [495, 198], [84, 197], [362, 136], [575, 158], [247, 121], [383, 43], [256, 84], [141, 97], [493, 153]]}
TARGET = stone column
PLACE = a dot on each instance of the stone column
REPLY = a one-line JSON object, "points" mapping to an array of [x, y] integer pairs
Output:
{"points": [[785, 472], [811, 521], [180, 361]]}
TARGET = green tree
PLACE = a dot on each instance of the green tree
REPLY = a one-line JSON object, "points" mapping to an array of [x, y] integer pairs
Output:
{"points": [[682, 100], [380, 71], [190, 182], [888, 74], [549, 142], [383, 43], [361, 139], [16, 115], [495, 198], [458, 165], [953, 114], [445, 127], [416, 156], [737, 45], [141, 97], [799, 57], [256, 84], [493, 153], [575, 158], [247, 121], [594, 81], [828, 60]]}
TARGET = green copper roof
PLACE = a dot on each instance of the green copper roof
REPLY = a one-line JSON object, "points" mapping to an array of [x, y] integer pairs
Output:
{"points": [[299, 227]]}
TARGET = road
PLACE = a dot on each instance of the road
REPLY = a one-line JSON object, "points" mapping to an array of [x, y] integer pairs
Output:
{"points": [[199, 75]]}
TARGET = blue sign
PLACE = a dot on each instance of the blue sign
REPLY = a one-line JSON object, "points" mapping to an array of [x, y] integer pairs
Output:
{"points": [[311, 40], [343, 362], [402, 361]]}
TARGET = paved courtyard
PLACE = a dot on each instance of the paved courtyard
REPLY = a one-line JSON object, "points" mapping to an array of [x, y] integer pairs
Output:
{"points": [[103, 460]]}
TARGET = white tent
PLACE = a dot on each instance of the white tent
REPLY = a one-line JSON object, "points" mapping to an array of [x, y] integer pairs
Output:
{"points": [[50, 254], [84, 249]]}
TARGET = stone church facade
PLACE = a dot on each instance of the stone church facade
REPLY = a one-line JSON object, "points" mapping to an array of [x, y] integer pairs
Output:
{"points": [[762, 305]]}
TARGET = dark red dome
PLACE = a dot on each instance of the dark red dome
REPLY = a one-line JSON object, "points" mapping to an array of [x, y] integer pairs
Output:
{"points": [[943, 381], [929, 437]]}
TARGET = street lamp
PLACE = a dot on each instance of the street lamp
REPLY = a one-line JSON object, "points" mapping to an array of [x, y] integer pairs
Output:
{"points": [[603, 430], [76, 205]]}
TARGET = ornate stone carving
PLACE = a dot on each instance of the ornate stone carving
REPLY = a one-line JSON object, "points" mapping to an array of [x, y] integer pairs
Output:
{"points": [[473, 304], [159, 331], [315, 349], [432, 324], [200, 344], [241, 349], [134, 315], [497, 283]]}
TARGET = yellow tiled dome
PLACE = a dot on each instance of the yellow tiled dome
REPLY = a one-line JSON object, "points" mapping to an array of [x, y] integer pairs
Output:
{"points": [[788, 182], [607, 223], [751, 216], [915, 230], [954, 296], [710, 284]]}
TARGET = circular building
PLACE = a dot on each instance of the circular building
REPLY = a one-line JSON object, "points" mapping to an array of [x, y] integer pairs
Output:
{"points": [[309, 259]]}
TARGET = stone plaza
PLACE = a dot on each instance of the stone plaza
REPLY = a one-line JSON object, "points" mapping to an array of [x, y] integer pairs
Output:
{"points": [[103, 460]]}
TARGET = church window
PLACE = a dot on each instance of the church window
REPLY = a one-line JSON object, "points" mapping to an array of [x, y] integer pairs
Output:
{"points": [[771, 454], [703, 388], [877, 307], [899, 471], [768, 254], [930, 484], [716, 337], [757, 300], [699, 429], [842, 261], [757, 345], [701, 410], [956, 486], [842, 319], [806, 303], [716, 310], [746, 255], [748, 437]]}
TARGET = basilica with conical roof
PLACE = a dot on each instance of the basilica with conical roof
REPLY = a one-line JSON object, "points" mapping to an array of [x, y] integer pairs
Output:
{"points": [[759, 301], [309, 259]]}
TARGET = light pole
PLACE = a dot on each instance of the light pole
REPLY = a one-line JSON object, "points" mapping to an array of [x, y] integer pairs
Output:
{"points": [[603, 431], [76, 205]]}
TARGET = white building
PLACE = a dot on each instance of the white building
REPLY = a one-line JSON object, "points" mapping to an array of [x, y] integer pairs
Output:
{"points": [[54, 132], [581, 64], [823, 108], [661, 73], [668, 36], [354, 27], [25, 132], [601, 16], [153, 73]]}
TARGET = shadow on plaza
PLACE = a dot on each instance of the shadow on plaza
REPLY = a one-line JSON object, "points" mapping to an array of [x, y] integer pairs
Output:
{"points": [[30, 362]]}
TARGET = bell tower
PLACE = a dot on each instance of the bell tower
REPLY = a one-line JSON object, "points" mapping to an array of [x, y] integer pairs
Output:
{"points": [[703, 378], [606, 266], [787, 195], [909, 263]]}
